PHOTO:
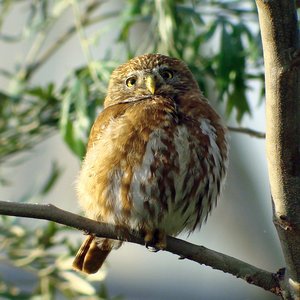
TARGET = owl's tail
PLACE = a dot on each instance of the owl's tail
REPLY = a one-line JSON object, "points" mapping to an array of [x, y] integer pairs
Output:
{"points": [[90, 256]]}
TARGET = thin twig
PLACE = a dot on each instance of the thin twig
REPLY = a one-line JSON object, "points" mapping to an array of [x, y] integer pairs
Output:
{"points": [[64, 38], [86, 47], [185, 250], [251, 132]]}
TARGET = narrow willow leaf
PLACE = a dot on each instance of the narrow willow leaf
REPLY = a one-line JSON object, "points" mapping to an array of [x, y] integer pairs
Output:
{"points": [[78, 284], [52, 178]]}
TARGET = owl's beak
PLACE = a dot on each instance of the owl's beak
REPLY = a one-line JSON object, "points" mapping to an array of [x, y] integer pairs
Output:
{"points": [[150, 83]]}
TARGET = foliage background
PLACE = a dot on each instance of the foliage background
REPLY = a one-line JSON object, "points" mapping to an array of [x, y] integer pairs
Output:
{"points": [[56, 58]]}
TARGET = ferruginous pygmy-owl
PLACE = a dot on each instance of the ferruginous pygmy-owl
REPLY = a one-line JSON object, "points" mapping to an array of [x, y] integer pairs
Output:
{"points": [[156, 156]]}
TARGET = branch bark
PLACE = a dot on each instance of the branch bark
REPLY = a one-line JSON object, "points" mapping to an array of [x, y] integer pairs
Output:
{"points": [[280, 38], [248, 131], [251, 274]]}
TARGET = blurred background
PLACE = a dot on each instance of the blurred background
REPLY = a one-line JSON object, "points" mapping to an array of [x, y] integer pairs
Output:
{"points": [[55, 61]]}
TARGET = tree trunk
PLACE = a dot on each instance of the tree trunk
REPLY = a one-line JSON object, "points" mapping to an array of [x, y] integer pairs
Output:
{"points": [[280, 38]]}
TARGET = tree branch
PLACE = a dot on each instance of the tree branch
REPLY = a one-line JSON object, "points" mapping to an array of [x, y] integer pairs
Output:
{"points": [[64, 37], [251, 132], [281, 45], [185, 250]]}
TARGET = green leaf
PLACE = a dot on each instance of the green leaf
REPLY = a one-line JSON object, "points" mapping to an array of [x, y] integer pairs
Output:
{"points": [[225, 59], [238, 100], [52, 178], [74, 120], [77, 283]]}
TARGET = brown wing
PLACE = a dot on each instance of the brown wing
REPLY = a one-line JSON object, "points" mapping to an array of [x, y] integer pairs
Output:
{"points": [[102, 122], [91, 256]]}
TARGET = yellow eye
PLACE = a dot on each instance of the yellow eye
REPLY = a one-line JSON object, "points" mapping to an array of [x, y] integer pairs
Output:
{"points": [[166, 74], [131, 81]]}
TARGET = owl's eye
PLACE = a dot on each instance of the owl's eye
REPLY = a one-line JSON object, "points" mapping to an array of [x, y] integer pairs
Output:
{"points": [[166, 74], [131, 81]]}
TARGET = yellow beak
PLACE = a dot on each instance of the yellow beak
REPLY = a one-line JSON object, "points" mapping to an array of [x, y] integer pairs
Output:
{"points": [[150, 84]]}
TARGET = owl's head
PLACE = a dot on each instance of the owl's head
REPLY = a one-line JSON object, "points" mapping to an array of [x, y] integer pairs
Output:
{"points": [[149, 75]]}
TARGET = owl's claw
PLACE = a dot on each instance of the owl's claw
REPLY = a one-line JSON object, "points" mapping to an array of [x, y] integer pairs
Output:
{"points": [[152, 248], [155, 240]]}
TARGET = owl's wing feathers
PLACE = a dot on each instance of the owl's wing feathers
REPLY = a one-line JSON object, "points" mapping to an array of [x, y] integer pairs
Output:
{"points": [[102, 121], [110, 113]]}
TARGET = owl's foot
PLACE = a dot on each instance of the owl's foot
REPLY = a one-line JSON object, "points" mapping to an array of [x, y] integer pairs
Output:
{"points": [[155, 240]]}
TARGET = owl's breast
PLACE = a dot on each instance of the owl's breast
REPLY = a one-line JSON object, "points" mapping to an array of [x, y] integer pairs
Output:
{"points": [[179, 178], [152, 167], [117, 149]]}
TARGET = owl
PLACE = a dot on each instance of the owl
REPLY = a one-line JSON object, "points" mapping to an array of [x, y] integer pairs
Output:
{"points": [[156, 157]]}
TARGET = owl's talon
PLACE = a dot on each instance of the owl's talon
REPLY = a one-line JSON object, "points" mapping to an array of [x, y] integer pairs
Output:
{"points": [[148, 238], [155, 240], [151, 248]]}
